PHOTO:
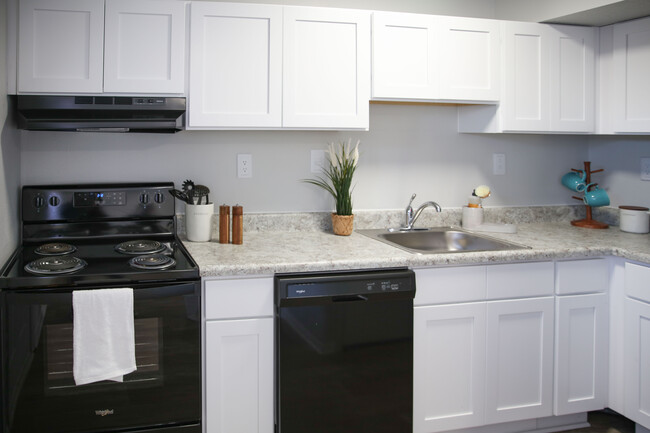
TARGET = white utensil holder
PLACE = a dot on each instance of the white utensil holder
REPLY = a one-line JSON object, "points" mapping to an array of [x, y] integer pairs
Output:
{"points": [[198, 222], [472, 217]]}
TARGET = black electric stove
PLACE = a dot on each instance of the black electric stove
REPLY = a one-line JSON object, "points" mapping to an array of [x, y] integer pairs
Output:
{"points": [[92, 235], [86, 237]]}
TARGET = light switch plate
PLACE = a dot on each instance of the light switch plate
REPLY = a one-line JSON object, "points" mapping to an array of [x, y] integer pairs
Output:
{"points": [[645, 168]]}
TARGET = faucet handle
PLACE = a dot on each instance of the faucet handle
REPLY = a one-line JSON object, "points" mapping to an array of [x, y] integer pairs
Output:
{"points": [[411, 201]]}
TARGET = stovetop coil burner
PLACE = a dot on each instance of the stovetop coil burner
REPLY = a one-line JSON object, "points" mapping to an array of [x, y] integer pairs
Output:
{"points": [[140, 246], [55, 249], [55, 265], [152, 262]]}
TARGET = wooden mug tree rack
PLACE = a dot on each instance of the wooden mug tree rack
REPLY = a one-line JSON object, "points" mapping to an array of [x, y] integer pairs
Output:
{"points": [[588, 222]]}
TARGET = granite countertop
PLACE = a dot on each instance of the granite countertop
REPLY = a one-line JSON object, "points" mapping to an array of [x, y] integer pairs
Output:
{"points": [[268, 252]]}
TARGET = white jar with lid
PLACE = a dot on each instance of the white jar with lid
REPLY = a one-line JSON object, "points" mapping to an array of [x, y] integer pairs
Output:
{"points": [[634, 219]]}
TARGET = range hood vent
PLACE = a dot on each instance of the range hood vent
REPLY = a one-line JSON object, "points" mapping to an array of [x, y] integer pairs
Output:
{"points": [[101, 113]]}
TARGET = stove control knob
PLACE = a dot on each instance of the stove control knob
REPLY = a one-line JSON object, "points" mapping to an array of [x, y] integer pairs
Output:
{"points": [[54, 200], [159, 197], [144, 198], [39, 201]]}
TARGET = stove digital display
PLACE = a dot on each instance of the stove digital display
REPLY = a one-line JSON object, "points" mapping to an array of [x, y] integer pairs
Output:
{"points": [[93, 199]]}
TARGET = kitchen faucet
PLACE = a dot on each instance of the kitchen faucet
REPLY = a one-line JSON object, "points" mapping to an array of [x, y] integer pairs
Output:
{"points": [[411, 217]]}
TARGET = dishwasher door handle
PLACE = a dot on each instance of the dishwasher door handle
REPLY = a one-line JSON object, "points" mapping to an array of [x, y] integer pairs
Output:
{"points": [[349, 298]]}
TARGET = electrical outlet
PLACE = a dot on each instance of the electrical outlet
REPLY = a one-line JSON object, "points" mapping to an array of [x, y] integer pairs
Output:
{"points": [[244, 165], [498, 164], [645, 168], [317, 161]]}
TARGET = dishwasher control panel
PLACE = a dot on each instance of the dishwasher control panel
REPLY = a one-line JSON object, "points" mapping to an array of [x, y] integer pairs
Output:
{"points": [[353, 283]]}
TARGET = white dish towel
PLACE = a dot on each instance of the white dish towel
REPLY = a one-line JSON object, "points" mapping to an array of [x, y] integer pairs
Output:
{"points": [[103, 335]]}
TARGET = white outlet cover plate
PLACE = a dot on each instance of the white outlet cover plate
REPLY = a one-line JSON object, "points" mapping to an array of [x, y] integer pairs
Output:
{"points": [[498, 164], [244, 165]]}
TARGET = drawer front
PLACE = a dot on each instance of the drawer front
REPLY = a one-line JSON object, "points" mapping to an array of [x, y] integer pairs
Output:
{"points": [[520, 280], [449, 285], [637, 281], [238, 298], [573, 277]]}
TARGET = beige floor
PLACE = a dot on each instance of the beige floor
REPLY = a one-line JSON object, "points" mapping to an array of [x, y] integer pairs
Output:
{"points": [[606, 422]]}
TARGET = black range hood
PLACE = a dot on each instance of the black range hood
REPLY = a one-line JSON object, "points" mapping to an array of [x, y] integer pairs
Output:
{"points": [[101, 113]]}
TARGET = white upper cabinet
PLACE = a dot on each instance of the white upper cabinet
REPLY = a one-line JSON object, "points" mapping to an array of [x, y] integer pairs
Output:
{"points": [[235, 66], [427, 57], [60, 46], [631, 69], [144, 46], [326, 73], [548, 82], [72, 46]]}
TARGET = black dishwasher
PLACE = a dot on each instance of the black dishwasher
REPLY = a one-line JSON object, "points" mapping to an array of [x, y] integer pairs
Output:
{"points": [[345, 352]]}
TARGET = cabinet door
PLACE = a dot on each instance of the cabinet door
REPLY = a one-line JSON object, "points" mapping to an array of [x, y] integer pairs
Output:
{"points": [[404, 56], [630, 81], [449, 367], [637, 361], [60, 46], [235, 65], [525, 100], [326, 68], [581, 353], [519, 359], [239, 376], [144, 46], [469, 59], [573, 79]]}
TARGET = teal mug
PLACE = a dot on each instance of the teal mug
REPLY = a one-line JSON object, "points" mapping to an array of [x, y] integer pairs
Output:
{"points": [[596, 197], [575, 181]]}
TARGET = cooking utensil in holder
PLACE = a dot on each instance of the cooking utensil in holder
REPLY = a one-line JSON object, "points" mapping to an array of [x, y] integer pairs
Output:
{"points": [[588, 222]]}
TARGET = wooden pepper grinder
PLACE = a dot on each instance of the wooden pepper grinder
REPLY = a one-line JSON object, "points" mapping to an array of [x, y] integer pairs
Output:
{"points": [[224, 224], [237, 225]]}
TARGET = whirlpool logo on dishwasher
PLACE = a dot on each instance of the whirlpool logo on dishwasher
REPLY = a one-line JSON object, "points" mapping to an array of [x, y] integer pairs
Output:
{"points": [[104, 412]]}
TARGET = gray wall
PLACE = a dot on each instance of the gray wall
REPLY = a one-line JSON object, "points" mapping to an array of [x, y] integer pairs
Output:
{"points": [[408, 149], [9, 156]]}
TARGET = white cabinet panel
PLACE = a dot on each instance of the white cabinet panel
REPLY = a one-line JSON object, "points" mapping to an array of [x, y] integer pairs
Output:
{"points": [[239, 376], [237, 298], [326, 68], [519, 359], [637, 361], [637, 281], [630, 81], [405, 52], [60, 46], [574, 277], [449, 367], [520, 280], [235, 65], [572, 65], [526, 99], [144, 46], [581, 353], [450, 285], [469, 59]]}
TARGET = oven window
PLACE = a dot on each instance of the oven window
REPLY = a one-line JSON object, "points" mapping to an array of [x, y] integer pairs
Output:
{"points": [[58, 363]]}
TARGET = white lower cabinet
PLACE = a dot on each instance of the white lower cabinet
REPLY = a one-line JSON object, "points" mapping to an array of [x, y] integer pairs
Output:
{"points": [[519, 359], [482, 362], [449, 367], [637, 344], [238, 356], [581, 353]]}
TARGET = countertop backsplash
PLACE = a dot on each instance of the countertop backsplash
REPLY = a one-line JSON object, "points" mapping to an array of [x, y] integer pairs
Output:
{"points": [[375, 219]]}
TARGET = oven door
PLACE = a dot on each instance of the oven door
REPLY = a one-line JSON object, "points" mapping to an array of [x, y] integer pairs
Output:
{"points": [[39, 390]]}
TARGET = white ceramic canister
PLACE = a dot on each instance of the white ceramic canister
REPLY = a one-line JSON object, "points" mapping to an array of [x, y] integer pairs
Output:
{"points": [[634, 219], [472, 217], [198, 221]]}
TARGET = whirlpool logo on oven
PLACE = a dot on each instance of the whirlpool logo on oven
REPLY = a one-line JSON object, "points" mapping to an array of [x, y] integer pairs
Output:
{"points": [[104, 412]]}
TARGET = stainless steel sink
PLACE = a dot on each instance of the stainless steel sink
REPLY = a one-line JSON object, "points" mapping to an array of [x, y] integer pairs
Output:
{"points": [[439, 240]]}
